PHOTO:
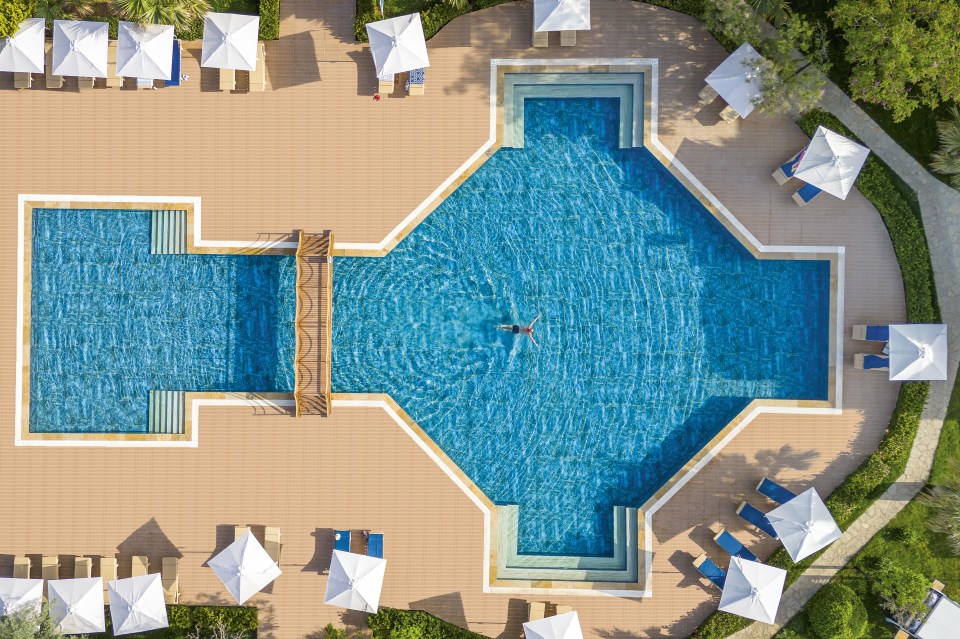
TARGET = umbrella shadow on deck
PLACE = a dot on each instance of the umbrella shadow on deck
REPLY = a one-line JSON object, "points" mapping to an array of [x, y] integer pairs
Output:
{"points": [[292, 61], [448, 607], [149, 540], [323, 551]]}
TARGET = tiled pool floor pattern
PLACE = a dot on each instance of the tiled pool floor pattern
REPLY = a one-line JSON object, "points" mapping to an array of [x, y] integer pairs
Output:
{"points": [[259, 169]]}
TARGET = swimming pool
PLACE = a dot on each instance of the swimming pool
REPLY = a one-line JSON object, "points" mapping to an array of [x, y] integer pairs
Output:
{"points": [[110, 321], [657, 326]]}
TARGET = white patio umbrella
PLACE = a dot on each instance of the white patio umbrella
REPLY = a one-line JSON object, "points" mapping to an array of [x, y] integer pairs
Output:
{"points": [[561, 15], [565, 626], [76, 605], [23, 51], [137, 604], [752, 590], [230, 41], [804, 525], [831, 162], [145, 51], [397, 44], [80, 48], [918, 351], [18, 594], [737, 79], [355, 581], [244, 567]]}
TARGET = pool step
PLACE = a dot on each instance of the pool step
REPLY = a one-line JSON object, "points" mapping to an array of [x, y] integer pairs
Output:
{"points": [[168, 232], [166, 412]]}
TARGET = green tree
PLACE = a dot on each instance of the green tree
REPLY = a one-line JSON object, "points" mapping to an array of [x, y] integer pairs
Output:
{"points": [[51, 10], [905, 53], [947, 162], [901, 590], [773, 10], [836, 612], [179, 13], [12, 13], [331, 632], [27, 624], [944, 500]]}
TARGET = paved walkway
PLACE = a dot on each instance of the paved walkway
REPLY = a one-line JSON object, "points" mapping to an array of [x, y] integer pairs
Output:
{"points": [[940, 206]]}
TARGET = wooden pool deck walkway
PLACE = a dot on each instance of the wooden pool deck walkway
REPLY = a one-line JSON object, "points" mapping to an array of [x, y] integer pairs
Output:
{"points": [[313, 324]]}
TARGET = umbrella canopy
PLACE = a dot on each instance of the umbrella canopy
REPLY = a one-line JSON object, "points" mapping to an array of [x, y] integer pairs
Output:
{"points": [[230, 41], [561, 15], [80, 48], [137, 604], [17, 594], [737, 80], [145, 51], [831, 162], [23, 51], [398, 45], [918, 351], [355, 581], [942, 622], [244, 567], [752, 590], [76, 605], [565, 626], [804, 525]]}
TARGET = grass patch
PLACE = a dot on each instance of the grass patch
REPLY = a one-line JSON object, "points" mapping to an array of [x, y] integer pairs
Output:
{"points": [[434, 14]]}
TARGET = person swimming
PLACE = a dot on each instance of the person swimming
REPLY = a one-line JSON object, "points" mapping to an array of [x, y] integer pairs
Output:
{"points": [[524, 330]]}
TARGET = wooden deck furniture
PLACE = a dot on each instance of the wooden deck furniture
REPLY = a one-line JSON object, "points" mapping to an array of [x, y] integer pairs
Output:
{"points": [[228, 79], [568, 38], [729, 114], [53, 81], [708, 94], [536, 610], [83, 568], [22, 80], [140, 566], [271, 543], [170, 579], [21, 567], [113, 80], [108, 572], [50, 568], [258, 77], [240, 531]]}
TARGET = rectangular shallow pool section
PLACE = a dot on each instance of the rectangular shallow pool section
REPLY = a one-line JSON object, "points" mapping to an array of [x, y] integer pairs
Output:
{"points": [[110, 322]]}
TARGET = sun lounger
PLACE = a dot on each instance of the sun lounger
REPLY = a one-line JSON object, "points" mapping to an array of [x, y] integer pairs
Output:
{"points": [[729, 114], [536, 610], [228, 79], [258, 77], [733, 546], [937, 586], [385, 83], [562, 610], [140, 566], [341, 540], [415, 82], [85, 83], [240, 531], [170, 579], [50, 568], [710, 570], [375, 545], [144, 83], [787, 170], [113, 80], [21, 567], [175, 66], [774, 491], [108, 573], [22, 80], [871, 333], [806, 193], [870, 362], [708, 94], [271, 543], [568, 38], [901, 634], [83, 568], [757, 518], [540, 38], [53, 81]]}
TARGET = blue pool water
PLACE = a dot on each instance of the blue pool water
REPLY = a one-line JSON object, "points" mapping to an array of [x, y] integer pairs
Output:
{"points": [[657, 326], [110, 322]]}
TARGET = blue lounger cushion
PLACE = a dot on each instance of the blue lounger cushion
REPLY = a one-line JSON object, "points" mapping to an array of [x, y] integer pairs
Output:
{"points": [[789, 167], [174, 80], [878, 333], [710, 570], [772, 490], [341, 540], [757, 518], [807, 192], [375, 545], [733, 546], [875, 362]]}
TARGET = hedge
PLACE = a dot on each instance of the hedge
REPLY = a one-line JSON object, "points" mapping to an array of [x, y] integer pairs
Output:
{"points": [[12, 13], [269, 19], [901, 214], [434, 17], [391, 623]]}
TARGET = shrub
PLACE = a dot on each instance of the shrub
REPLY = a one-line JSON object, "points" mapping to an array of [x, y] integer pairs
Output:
{"points": [[719, 625], [269, 19], [179, 617], [902, 590], [390, 623], [12, 13], [237, 619], [836, 612]]}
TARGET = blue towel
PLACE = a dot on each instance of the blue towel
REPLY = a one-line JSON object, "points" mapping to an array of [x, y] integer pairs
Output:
{"points": [[807, 192], [874, 362], [417, 76], [772, 490], [733, 546], [375, 545], [789, 167], [757, 518], [341, 540], [878, 333], [174, 80], [713, 572]]}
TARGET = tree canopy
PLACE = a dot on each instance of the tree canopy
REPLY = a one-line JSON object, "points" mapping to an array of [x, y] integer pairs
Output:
{"points": [[12, 13]]}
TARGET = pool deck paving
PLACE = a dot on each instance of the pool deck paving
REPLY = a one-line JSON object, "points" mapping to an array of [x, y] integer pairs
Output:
{"points": [[315, 152]]}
